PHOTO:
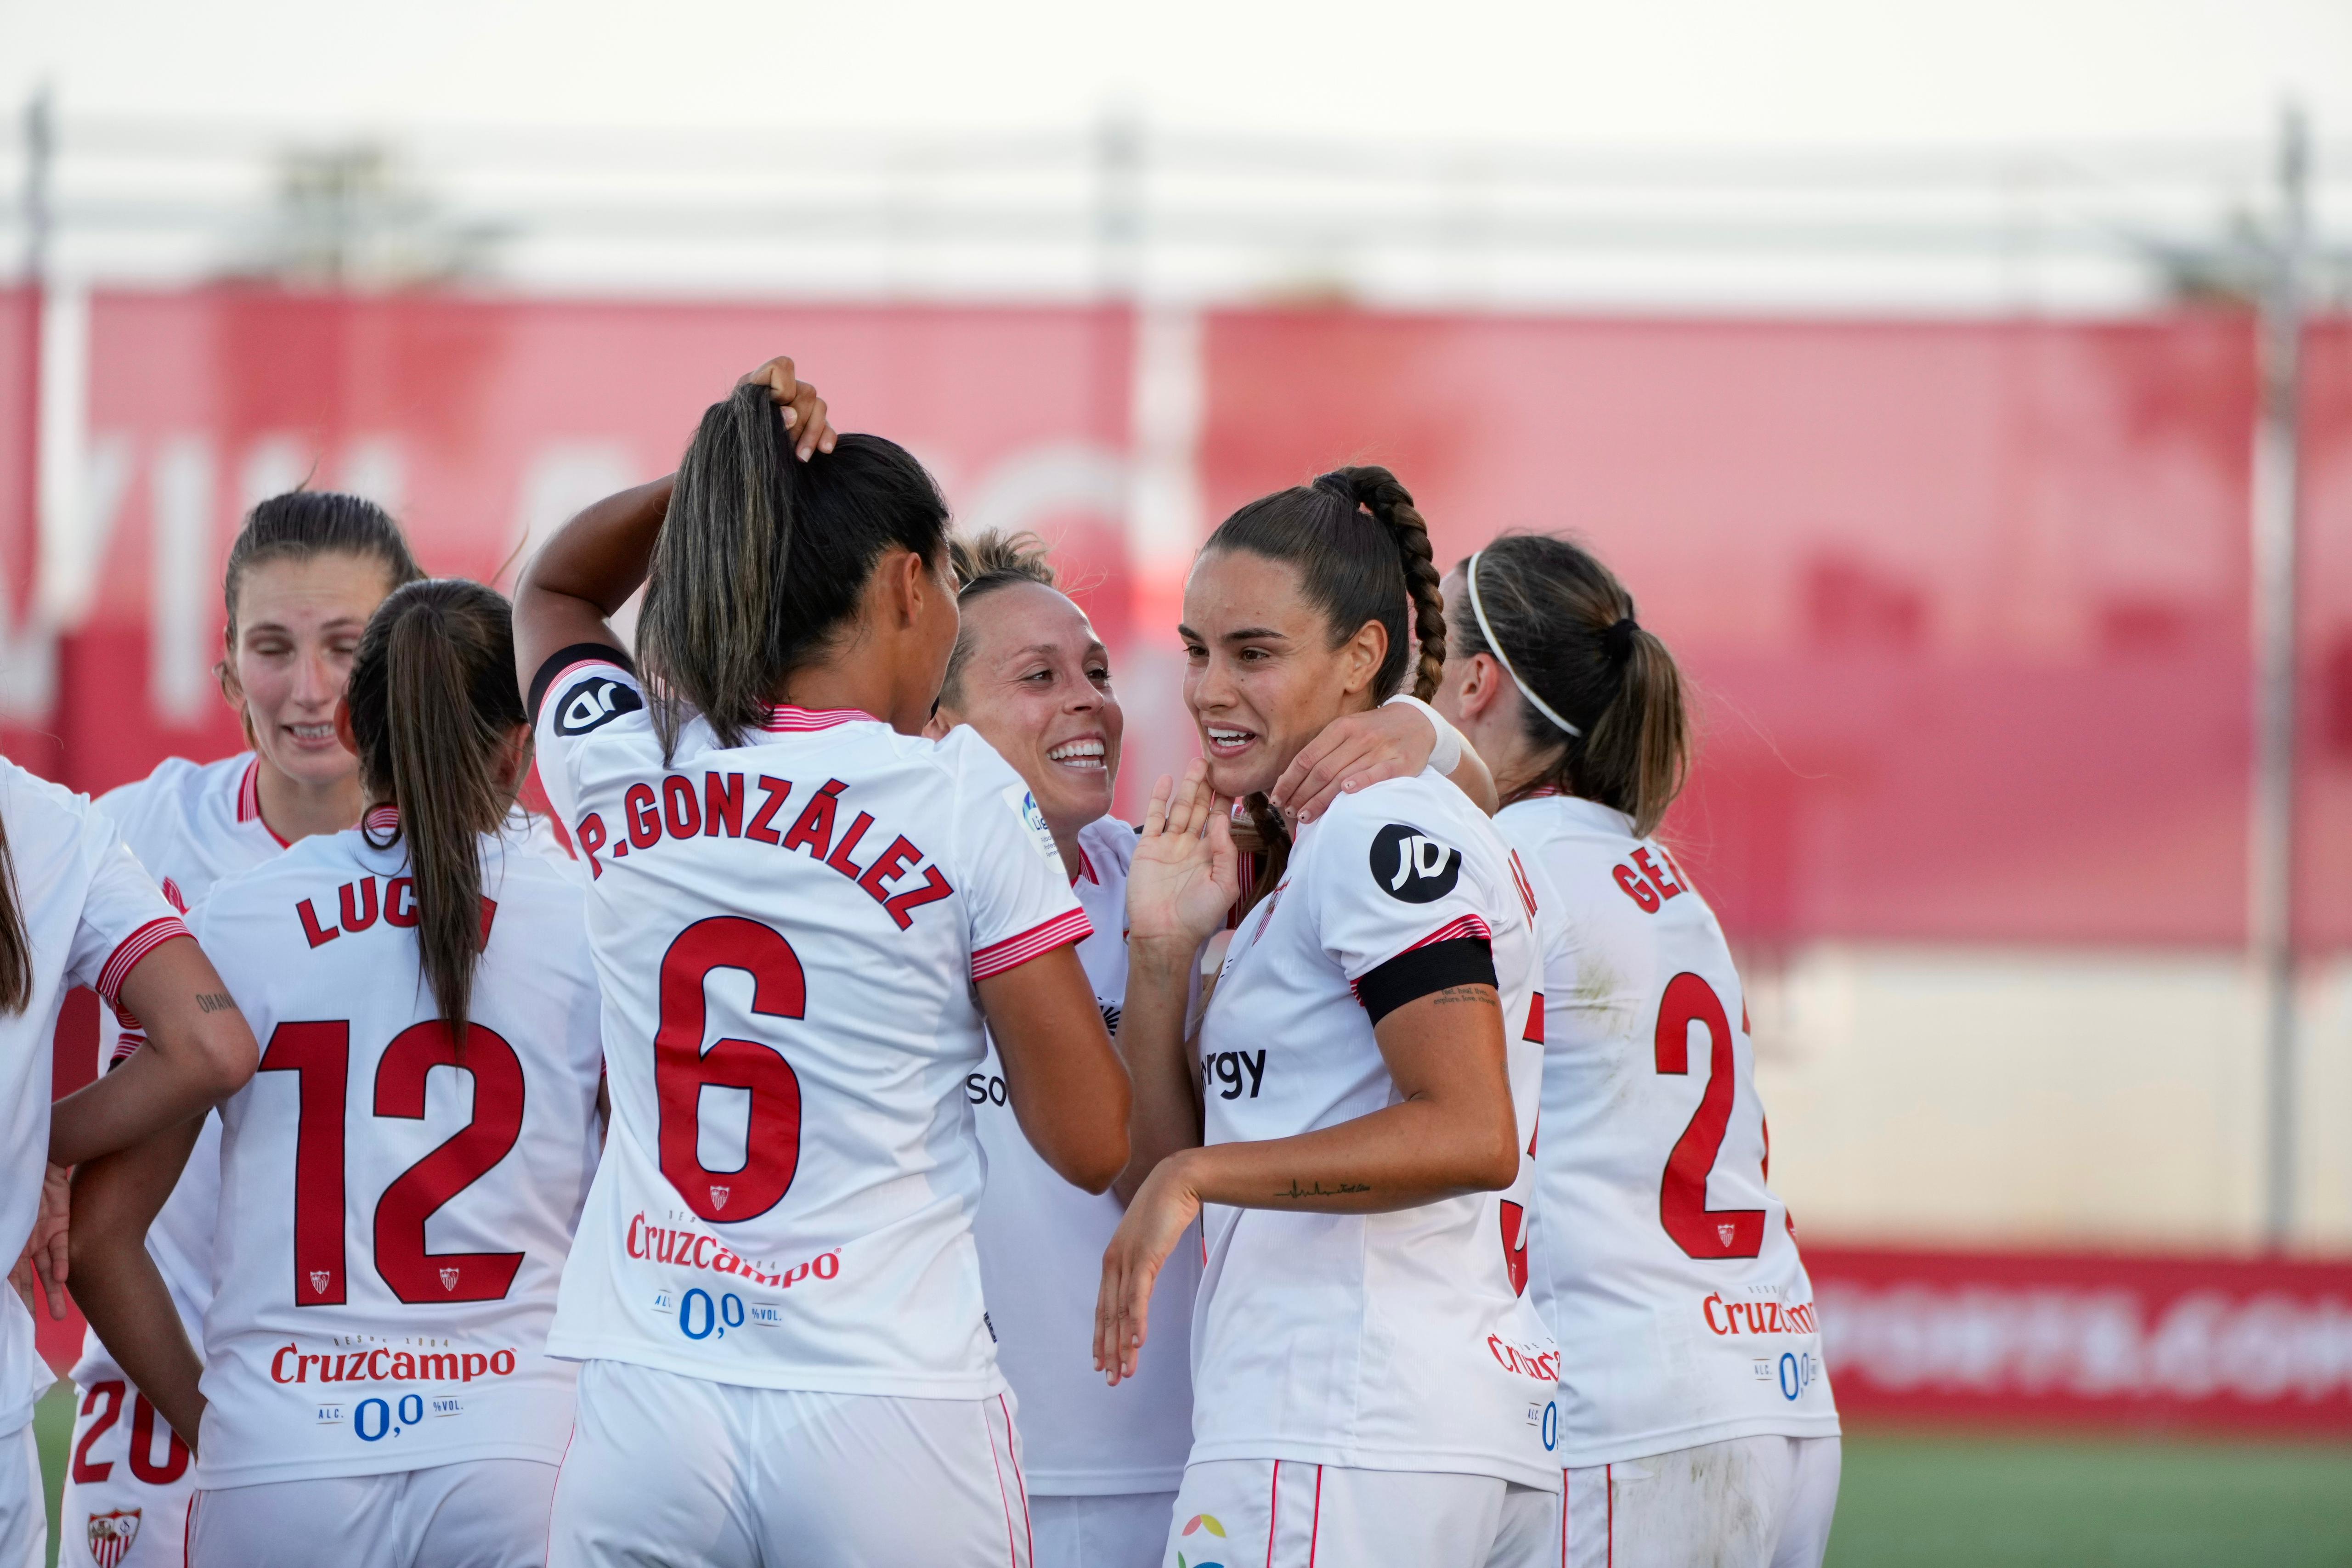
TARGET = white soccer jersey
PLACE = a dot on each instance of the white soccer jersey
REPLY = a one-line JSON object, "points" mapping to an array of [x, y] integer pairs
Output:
{"points": [[1665, 1265], [190, 824], [1392, 1342], [90, 912], [1041, 1249], [395, 1208], [787, 935]]}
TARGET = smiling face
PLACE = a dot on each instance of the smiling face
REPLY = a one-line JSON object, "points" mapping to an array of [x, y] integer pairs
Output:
{"points": [[298, 621], [1261, 675], [1036, 686]]}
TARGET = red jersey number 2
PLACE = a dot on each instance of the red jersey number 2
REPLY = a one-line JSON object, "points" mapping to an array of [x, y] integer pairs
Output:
{"points": [[1698, 1230], [319, 1053], [682, 1069]]}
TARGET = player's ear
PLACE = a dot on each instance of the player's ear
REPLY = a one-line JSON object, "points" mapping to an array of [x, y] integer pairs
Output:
{"points": [[1480, 681], [343, 726], [1361, 655], [941, 722]]}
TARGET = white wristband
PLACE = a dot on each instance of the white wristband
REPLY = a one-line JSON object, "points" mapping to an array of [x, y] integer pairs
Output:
{"points": [[1447, 755]]}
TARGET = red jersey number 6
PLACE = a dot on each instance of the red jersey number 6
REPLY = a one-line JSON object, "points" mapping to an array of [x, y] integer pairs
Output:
{"points": [[681, 1068]]}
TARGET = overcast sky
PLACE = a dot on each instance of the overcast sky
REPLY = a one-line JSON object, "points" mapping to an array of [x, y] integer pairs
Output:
{"points": [[1705, 70]]}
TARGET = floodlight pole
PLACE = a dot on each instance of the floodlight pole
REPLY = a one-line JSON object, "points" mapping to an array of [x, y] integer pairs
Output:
{"points": [[40, 147], [2271, 860]]}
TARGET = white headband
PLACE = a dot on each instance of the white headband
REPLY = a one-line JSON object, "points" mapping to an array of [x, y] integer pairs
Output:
{"points": [[1494, 646]]}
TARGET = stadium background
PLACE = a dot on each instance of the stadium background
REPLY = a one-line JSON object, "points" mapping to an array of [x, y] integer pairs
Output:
{"points": [[1942, 465]]}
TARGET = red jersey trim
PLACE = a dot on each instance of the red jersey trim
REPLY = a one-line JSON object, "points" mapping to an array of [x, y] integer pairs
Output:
{"points": [[383, 819], [1086, 868], [1015, 951], [249, 802], [135, 947], [1454, 931], [786, 720]]}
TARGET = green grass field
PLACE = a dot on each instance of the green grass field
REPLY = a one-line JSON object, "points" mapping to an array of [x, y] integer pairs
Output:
{"points": [[1916, 1500]]}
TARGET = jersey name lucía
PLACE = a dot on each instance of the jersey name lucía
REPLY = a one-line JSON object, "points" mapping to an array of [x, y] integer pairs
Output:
{"points": [[395, 1205], [90, 913], [1661, 1259], [190, 824], [1395, 1341], [1041, 1248], [788, 935]]}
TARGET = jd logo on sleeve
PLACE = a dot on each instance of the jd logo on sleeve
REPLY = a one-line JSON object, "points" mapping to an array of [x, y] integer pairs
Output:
{"points": [[594, 701], [1412, 866]]}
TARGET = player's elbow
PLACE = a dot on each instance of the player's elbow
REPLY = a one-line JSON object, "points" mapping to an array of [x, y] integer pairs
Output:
{"points": [[1097, 1159], [1488, 1155], [225, 1055]]}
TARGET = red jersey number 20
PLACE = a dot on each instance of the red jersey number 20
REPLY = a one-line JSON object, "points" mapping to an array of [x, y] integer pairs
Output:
{"points": [[682, 1068], [1698, 1230], [319, 1053]]}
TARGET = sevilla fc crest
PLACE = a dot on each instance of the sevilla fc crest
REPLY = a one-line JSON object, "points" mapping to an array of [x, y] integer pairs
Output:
{"points": [[1727, 1232], [319, 1280], [110, 1535], [448, 1279], [718, 1196]]}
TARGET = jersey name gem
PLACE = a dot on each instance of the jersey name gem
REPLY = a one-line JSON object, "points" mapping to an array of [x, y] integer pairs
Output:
{"points": [[1409, 864]]}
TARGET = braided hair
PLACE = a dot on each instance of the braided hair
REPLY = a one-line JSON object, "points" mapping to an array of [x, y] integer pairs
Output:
{"points": [[1363, 553]]}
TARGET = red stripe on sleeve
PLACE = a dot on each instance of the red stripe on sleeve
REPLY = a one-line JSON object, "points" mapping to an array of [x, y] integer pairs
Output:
{"points": [[133, 948], [1063, 929]]}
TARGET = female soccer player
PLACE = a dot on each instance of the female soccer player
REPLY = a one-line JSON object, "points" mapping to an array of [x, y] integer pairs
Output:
{"points": [[76, 909], [1696, 1421], [795, 901], [399, 1183], [1368, 1387], [1029, 673], [306, 572]]}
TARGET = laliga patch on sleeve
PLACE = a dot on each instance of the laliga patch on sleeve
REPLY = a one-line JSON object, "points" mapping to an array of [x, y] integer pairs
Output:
{"points": [[593, 704], [1412, 867], [1024, 806]]}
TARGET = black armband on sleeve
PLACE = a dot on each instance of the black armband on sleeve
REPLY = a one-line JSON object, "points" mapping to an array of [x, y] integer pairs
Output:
{"points": [[564, 659], [1418, 972]]}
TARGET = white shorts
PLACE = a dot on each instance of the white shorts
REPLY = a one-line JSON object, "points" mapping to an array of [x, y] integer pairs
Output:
{"points": [[128, 1481], [1124, 1530], [1293, 1514], [1745, 1502], [480, 1513], [24, 1502], [667, 1469]]}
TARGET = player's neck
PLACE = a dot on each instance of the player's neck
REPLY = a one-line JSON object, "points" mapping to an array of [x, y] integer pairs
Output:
{"points": [[294, 810]]}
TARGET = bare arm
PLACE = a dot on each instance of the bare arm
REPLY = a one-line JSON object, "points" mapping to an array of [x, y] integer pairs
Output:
{"points": [[115, 1199], [1183, 879], [198, 1053], [580, 577], [1453, 1132], [1068, 1091]]}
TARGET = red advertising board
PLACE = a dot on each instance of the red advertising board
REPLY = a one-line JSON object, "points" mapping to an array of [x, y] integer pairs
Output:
{"points": [[2086, 1339]]}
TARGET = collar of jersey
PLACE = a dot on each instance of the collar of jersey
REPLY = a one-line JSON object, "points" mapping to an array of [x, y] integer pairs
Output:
{"points": [[1588, 814], [785, 719]]}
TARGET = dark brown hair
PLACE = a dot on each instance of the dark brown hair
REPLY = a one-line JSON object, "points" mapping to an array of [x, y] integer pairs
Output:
{"points": [[15, 942], [433, 706], [1568, 632], [1362, 553], [301, 524], [988, 562], [763, 560]]}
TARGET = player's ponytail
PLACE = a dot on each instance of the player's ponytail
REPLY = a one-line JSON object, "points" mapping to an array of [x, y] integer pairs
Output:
{"points": [[1601, 696], [437, 719], [15, 945], [762, 560], [1364, 554]]}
